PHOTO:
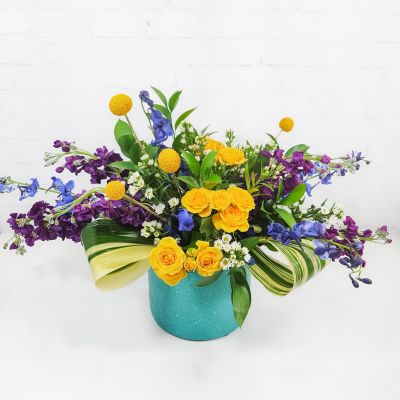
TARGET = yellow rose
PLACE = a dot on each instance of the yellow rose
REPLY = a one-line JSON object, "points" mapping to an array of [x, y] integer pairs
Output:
{"points": [[214, 145], [241, 198], [220, 200], [190, 264], [197, 201], [232, 219], [208, 261], [231, 156], [167, 260]]}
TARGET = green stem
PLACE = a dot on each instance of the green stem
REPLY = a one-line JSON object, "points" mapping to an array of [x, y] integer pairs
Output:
{"points": [[134, 134], [138, 203]]}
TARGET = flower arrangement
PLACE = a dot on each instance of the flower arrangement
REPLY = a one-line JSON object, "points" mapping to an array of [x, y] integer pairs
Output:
{"points": [[187, 203]]}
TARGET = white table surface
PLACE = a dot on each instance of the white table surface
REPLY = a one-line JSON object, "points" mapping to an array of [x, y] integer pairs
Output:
{"points": [[61, 338]]}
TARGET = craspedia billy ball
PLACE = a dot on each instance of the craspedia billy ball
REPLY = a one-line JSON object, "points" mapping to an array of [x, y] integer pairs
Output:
{"points": [[115, 190], [286, 124], [169, 161], [120, 104]]}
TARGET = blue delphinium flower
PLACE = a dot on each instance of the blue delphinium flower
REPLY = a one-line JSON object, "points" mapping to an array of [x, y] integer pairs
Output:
{"points": [[29, 190], [280, 233], [325, 250], [65, 190], [5, 186], [312, 229], [185, 220], [162, 128], [144, 97]]}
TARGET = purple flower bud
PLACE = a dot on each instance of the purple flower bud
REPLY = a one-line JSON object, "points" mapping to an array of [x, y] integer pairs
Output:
{"points": [[354, 282], [325, 159], [66, 149], [365, 280], [59, 170]]}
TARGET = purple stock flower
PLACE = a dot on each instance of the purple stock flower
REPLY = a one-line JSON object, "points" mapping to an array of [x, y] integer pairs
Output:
{"points": [[325, 159]]}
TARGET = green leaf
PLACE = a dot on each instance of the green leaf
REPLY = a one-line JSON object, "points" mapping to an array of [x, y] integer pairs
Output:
{"points": [[123, 136], [281, 277], [274, 140], [135, 152], [191, 162], [206, 226], [294, 196], [161, 95], [164, 110], [206, 165], [173, 100], [125, 143], [212, 181], [129, 165], [241, 295], [190, 181], [270, 247], [299, 147], [286, 216], [151, 151], [208, 280], [250, 242], [280, 190], [182, 117], [247, 176]]}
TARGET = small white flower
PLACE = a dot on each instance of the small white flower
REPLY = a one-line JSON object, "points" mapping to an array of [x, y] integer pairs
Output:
{"points": [[197, 158], [324, 210], [150, 162], [338, 208], [226, 247], [173, 202], [151, 229], [156, 240], [226, 238], [235, 246], [144, 233], [134, 177], [245, 250], [183, 140], [144, 157], [148, 194], [225, 263], [232, 256], [132, 190], [159, 208], [218, 244], [247, 258]]}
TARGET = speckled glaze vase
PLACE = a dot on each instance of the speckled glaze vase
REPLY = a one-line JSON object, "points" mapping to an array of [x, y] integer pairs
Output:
{"points": [[190, 312]]}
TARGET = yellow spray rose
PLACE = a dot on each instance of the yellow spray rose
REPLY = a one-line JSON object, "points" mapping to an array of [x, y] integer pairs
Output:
{"points": [[232, 219], [214, 145], [241, 198], [197, 201], [208, 260], [220, 200], [190, 264], [167, 260], [231, 156]]}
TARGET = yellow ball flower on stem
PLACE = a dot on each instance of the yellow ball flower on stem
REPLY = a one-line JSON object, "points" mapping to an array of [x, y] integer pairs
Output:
{"points": [[197, 201], [167, 260], [169, 161], [231, 156], [115, 190], [120, 104], [286, 124]]}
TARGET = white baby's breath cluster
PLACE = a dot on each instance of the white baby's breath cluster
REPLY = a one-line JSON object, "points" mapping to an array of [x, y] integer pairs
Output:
{"points": [[135, 183], [151, 228], [173, 202], [145, 160], [234, 254], [159, 208]]}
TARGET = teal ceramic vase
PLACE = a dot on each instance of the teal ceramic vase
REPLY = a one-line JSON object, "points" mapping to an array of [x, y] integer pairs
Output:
{"points": [[190, 312]]}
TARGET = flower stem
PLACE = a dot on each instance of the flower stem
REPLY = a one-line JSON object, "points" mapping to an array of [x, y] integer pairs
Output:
{"points": [[138, 203], [134, 134]]}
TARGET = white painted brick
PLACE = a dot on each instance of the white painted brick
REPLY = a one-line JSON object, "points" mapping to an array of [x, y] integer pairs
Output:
{"points": [[60, 23], [14, 22], [19, 50], [177, 24], [121, 23], [39, 77]]}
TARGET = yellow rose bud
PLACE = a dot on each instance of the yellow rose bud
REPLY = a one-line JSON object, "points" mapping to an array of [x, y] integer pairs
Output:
{"points": [[231, 156], [220, 200], [115, 190], [197, 201], [169, 161], [286, 124], [232, 219], [208, 261], [167, 260], [241, 198], [190, 264], [120, 104], [213, 145]]}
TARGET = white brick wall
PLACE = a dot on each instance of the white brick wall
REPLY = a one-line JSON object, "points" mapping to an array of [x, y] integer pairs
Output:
{"points": [[334, 65]]}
